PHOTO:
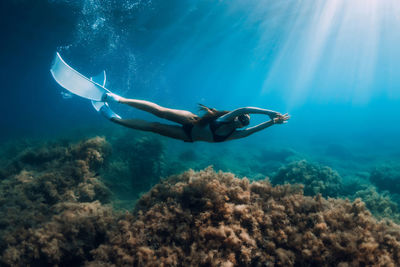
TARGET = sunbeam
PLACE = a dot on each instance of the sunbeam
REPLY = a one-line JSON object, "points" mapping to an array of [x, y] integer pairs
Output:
{"points": [[331, 52]]}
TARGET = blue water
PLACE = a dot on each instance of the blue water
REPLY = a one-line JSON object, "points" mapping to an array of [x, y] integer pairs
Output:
{"points": [[333, 65]]}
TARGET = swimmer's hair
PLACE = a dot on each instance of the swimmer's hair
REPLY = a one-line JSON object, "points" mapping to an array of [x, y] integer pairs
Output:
{"points": [[209, 115], [206, 109], [244, 119]]}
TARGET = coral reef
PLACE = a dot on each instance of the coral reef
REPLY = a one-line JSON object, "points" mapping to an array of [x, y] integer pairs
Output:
{"points": [[316, 179]]}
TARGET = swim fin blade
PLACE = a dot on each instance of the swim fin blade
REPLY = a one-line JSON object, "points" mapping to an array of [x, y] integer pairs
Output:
{"points": [[100, 78], [76, 83], [104, 109]]}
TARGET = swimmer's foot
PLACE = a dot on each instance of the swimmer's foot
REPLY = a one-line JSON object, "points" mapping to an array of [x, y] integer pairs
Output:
{"points": [[105, 110], [110, 97]]}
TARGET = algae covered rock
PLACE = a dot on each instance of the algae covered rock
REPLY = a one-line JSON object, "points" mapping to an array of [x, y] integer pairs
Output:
{"points": [[315, 178], [386, 178], [55, 212], [51, 204], [136, 164], [215, 219]]}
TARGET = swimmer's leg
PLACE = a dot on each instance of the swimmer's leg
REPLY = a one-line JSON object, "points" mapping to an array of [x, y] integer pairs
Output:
{"points": [[173, 131], [175, 115]]}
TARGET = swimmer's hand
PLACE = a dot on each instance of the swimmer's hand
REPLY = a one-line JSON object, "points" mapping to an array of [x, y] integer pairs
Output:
{"points": [[280, 119], [273, 114]]}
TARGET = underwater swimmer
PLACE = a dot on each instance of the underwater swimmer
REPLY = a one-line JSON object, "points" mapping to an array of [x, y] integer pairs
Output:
{"points": [[213, 126]]}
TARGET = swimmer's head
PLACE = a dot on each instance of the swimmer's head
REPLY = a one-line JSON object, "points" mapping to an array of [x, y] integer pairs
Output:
{"points": [[242, 120]]}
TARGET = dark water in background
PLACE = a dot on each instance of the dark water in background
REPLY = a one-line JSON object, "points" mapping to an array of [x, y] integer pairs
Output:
{"points": [[333, 65]]}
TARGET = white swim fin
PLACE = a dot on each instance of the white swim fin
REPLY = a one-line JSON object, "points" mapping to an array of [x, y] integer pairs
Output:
{"points": [[93, 88], [100, 106], [100, 78], [76, 83], [104, 109]]}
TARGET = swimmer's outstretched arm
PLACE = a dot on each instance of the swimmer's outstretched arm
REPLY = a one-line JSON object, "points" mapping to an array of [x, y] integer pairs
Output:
{"points": [[247, 110], [280, 119]]}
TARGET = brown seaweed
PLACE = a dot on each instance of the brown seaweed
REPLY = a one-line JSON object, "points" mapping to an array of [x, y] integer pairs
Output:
{"points": [[55, 211]]}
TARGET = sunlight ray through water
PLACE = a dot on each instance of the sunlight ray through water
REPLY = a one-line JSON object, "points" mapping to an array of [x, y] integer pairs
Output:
{"points": [[333, 51]]}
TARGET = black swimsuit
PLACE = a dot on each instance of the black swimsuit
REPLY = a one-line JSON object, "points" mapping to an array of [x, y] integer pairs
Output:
{"points": [[187, 128], [214, 125]]}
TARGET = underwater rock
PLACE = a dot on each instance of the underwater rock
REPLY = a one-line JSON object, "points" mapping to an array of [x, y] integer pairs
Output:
{"points": [[380, 204], [215, 219], [43, 184], [316, 179], [56, 213], [66, 239], [386, 178], [136, 164]]}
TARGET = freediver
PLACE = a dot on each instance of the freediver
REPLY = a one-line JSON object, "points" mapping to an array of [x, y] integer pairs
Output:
{"points": [[213, 126]]}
